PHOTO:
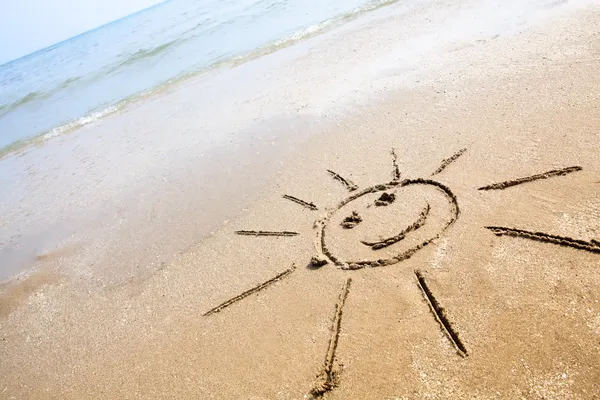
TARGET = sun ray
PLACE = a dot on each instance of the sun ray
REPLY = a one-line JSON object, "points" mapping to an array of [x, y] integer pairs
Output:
{"points": [[440, 315], [247, 293], [396, 172], [519, 181], [449, 161], [351, 186], [303, 203], [267, 233], [591, 246], [395, 239], [327, 377]]}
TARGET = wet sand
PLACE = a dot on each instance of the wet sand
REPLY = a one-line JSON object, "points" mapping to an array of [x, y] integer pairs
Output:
{"points": [[525, 312]]}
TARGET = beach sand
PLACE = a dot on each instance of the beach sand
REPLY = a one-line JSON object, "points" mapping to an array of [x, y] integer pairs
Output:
{"points": [[521, 102]]}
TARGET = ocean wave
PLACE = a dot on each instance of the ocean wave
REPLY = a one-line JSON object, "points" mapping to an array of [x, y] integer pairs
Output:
{"points": [[61, 129], [37, 95], [330, 23], [32, 96], [141, 54], [78, 123], [310, 31], [305, 33], [8, 107], [68, 82], [145, 53], [200, 24]]}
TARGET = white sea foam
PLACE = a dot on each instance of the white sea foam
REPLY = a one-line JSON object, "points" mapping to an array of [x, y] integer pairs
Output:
{"points": [[327, 24], [78, 123]]}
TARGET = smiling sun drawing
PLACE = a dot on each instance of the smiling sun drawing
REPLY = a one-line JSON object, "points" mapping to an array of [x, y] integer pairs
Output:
{"points": [[389, 223]]}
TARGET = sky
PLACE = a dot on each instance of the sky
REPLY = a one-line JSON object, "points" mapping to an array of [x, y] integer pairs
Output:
{"points": [[30, 25]]}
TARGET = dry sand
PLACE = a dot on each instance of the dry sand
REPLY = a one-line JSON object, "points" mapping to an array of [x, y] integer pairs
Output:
{"points": [[527, 312]]}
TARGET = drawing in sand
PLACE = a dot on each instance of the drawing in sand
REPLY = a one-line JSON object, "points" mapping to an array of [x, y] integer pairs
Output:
{"points": [[438, 213]]}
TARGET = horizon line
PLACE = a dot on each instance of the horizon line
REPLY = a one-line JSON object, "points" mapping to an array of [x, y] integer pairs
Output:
{"points": [[57, 44]]}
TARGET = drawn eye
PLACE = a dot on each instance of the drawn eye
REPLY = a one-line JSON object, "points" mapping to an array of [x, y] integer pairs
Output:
{"points": [[385, 199], [351, 221], [416, 212]]}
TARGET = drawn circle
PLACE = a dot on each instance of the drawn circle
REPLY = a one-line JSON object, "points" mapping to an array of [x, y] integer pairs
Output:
{"points": [[403, 255]]}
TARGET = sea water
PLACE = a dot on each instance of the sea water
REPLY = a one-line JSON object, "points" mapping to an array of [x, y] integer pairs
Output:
{"points": [[80, 80]]}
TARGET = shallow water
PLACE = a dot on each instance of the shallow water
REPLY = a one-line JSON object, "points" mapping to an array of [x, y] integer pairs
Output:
{"points": [[78, 81]]}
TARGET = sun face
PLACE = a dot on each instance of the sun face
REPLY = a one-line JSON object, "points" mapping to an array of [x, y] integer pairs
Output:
{"points": [[393, 221], [435, 221]]}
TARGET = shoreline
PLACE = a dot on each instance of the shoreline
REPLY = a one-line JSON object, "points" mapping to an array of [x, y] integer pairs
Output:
{"points": [[230, 60], [533, 114]]}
